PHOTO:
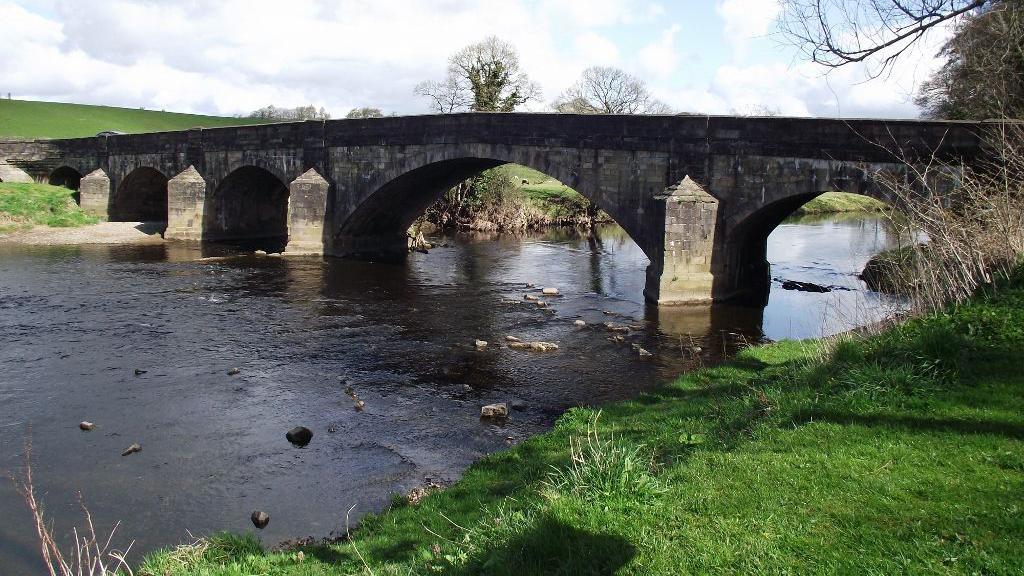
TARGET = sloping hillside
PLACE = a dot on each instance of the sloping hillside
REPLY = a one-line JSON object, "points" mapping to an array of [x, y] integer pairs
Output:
{"points": [[26, 119]]}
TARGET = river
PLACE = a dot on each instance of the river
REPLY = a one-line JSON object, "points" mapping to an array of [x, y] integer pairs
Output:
{"points": [[77, 322]]}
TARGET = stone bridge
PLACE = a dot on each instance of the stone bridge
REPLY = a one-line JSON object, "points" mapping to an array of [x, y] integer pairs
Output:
{"points": [[698, 194]]}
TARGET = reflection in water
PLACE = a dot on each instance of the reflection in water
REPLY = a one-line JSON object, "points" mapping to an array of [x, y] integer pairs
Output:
{"points": [[77, 321]]}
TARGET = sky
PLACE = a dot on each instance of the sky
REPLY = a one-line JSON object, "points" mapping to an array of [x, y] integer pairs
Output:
{"points": [[230, 57]]}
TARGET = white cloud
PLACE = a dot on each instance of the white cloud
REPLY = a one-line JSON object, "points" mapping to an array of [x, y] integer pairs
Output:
{"points": [[658, 59], [233, 56], [746, 20], [597, 49]]}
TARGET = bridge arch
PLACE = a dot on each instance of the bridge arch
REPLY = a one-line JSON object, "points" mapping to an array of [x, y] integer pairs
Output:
{"points": [[741, 258], [250, 203], [384, 207], [65, 176], [140, 197]]}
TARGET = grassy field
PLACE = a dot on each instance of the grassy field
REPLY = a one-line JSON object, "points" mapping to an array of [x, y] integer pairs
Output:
{"points": [[836, 202], [22, 205], [901, 453], [555, 200], [26, 119]]}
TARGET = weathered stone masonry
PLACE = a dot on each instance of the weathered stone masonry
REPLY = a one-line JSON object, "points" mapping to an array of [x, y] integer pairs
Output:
{"points": [[698, 194]]}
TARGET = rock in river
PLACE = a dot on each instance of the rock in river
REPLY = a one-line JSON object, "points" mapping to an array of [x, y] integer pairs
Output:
{"points": [[131, 449], [260, 519], [234, 371], [535, 346], [86, 425], [480, 344], [550, 291], [299, 436], [499, 410], [804, 286]]}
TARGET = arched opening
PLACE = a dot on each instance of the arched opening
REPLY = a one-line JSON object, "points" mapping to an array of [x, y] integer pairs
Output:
{"points": [[377, 227], [820, 230], [141, 197], [68, 178], [528, 197], [249, 207]]}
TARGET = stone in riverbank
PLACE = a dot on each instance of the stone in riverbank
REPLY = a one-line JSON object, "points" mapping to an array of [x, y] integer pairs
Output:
{"points": [[260, 519]]}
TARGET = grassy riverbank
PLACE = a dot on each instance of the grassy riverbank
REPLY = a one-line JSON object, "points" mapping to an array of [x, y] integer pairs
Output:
{"points": [[28, 119], [837, 202], [898, 453], [24, 205]]}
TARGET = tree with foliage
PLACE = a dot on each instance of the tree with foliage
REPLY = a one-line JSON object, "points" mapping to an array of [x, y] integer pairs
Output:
{"points": [[482, 77], [837, 33], [607, 90], [364, 113], [293, 114], [983, 76]]}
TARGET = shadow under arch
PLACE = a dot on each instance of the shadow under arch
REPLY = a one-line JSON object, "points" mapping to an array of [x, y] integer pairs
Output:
{"points": [[250, 206], [69, 178], [377, 225], [140, 197]]}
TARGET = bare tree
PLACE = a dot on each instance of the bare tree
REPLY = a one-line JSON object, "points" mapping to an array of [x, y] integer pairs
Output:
{"points": [[364, 113], [836, 33], [446, 97], [482, 77], [607, 90]]}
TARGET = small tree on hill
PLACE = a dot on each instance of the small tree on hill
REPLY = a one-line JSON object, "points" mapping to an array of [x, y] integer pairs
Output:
{"points": [[309, 112], [482, 77], [364, 113], [607, 90]]}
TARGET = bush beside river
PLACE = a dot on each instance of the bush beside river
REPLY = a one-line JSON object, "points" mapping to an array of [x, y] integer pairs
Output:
{"points": [[894, 453]]}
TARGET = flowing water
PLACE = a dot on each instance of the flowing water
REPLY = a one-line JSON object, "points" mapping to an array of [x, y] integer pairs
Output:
{"points": [[76, 323]]}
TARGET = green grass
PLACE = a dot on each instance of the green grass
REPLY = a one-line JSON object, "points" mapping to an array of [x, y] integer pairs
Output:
{"points": [[898, 453], [27, 119], [22, 205], [833, 202], [556, 201]]}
